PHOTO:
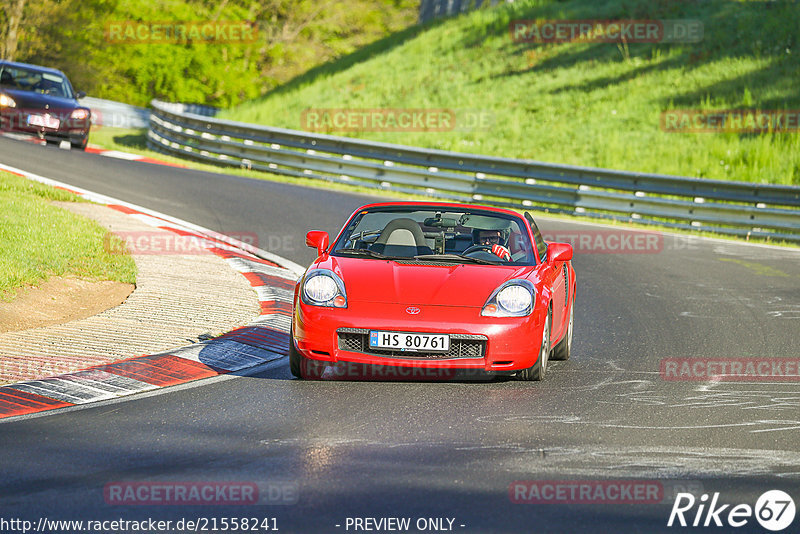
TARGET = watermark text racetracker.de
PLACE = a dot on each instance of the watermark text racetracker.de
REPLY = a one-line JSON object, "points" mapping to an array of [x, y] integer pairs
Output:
{"points": [[168, 242], [204, 493], [600, 491], [606, 31]]}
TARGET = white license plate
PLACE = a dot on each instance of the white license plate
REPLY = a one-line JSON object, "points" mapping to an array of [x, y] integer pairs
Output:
{"points": [[409, 341], [45, 121]]}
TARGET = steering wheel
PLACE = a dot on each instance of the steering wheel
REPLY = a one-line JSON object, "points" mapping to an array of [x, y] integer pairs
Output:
{"points": [[477, 248]]}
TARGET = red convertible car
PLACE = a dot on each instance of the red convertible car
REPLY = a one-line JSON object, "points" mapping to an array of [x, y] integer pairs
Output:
{"points": [[435, 286]]}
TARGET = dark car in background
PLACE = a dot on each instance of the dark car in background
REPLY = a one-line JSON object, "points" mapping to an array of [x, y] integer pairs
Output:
{"points": [[41, 101]]}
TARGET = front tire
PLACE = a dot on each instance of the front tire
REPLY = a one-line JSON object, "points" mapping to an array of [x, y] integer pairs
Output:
{"points": [[80, 145], [536, 372], [295, 358]]}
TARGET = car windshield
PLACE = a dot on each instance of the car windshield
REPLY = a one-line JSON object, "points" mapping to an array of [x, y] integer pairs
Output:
{"points": [[437, 234], [37, 81]]}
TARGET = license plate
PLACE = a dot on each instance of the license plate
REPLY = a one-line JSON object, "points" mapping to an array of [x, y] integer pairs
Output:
{"points": [[45, 121], [409, 341]]}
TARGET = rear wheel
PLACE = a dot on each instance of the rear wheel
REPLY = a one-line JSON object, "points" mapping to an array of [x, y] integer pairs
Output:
{"points": [[537, 371], [564, 347]]}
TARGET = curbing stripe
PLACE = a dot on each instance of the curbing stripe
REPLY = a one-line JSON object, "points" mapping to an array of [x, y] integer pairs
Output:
{"points": [[103, 381], [59, 389], [16, 402], [160, 369]]}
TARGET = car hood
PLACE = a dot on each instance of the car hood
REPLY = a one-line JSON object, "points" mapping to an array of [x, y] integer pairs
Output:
{"points": [[33, 100], [385, 281]]}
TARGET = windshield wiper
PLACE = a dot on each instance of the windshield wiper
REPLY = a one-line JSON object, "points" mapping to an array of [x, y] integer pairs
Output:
{"points": [[365, 252], [455, 257]]}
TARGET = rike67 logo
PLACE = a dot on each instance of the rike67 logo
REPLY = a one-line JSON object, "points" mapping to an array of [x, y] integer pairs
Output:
{"points": [[774, 510]]}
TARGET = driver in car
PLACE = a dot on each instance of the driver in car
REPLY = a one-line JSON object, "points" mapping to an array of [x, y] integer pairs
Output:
{"points": [[493, 239]]}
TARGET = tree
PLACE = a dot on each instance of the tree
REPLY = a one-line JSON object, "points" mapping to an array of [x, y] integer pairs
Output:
{"points": [[11, 29]]}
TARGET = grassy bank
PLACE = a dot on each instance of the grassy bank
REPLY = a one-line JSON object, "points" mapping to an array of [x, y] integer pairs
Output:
{"points": [[595, 104], [39, 240]]}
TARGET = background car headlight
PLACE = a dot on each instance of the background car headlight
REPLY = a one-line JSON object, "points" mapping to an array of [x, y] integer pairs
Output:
{"points": [[323, 288], [7, 102], [512, 299], [79, 114]]}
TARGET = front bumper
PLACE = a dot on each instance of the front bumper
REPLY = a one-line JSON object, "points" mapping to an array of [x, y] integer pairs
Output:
{"points": [[72, 130], [509, 343]]}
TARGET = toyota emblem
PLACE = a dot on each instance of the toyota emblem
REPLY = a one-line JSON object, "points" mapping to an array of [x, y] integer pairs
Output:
{"points": [[413, 310]]}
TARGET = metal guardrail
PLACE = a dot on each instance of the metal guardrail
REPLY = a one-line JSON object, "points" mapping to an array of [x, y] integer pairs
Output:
{"points": [[431, 9], [116, 114], [737, 208]]}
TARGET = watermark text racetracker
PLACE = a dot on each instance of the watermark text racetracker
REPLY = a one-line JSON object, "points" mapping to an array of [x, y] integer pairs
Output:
{"points": [[621, 241], [328, 120], [180, 32], [731, 369], [730, 121]]}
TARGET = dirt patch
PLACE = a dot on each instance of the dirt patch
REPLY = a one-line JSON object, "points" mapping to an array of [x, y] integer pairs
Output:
{"points": [[59, 300]]}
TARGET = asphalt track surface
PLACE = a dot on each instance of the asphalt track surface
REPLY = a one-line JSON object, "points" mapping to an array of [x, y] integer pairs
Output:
{"points": [[440, 450]]}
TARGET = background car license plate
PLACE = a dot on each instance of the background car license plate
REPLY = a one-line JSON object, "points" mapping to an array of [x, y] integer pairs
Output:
{"points": [[45, 121], [410, 341]]}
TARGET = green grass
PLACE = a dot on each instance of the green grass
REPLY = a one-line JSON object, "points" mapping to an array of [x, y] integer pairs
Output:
{"points": [[39, 240], [593, 104]]}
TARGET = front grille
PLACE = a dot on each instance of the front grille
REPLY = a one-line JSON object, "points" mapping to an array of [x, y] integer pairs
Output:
{"points": [[461, 346]]}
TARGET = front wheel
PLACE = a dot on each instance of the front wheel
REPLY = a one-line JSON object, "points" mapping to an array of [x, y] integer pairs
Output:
{"points": [[537, 371], [295, 358]]}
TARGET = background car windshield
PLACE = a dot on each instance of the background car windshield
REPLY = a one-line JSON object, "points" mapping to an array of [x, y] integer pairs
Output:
{"points": [[420, 232], [33, 80]]}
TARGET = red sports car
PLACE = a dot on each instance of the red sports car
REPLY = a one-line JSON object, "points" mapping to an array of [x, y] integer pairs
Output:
{"points": [[434, 287]]}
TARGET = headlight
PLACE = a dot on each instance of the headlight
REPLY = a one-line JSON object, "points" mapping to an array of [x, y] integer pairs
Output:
{"points": [[7, 102], [515, 299], [512, 299], [323, 288], [79, 114]]}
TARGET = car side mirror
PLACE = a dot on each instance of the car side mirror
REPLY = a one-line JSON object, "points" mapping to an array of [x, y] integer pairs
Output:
{"points": [[559, 252], [319, 240], [80, 94]]}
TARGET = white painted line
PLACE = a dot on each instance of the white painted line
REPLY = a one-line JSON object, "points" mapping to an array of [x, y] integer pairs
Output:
{"points": [[120, 155]]}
